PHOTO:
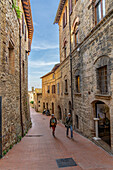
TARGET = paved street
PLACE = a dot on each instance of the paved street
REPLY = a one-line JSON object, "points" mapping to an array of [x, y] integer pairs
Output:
{"points": [[40, 152]]}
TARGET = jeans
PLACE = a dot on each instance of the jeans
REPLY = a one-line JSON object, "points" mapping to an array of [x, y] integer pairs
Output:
{"points": [[71, 129]]}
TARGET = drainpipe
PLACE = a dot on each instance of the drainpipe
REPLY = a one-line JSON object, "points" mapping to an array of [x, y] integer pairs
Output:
{"points": [[20, 65], [70, 58]]}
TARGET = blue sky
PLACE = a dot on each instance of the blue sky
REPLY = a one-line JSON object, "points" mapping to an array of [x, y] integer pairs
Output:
{"points": [[45, 45]]}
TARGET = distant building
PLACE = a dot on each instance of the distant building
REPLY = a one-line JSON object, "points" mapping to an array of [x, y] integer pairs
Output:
{"points": [[16, 32], [35, 99]]}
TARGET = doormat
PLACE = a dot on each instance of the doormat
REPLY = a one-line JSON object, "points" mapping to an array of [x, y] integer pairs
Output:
{"points": [[33, 136], [66, 162]]}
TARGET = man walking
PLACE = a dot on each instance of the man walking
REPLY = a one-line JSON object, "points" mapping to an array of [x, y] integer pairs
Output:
{"points": [[53, 123], [68, 125]]}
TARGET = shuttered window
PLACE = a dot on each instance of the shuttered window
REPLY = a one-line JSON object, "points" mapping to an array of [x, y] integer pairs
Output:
{"points": [[65, 17]]}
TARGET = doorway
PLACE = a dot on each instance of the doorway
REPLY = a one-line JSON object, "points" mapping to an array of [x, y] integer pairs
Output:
{"points": [[102, 112], [52, 108], [59, 113]]}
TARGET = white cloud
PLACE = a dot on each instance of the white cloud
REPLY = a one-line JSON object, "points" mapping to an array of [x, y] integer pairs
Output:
{"points": [[35, 64], [44, 46]]}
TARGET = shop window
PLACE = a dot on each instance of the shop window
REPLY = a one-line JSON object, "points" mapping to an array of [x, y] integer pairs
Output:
{"points": [[78, 84], [102, 81], [99, 10], [77, 122]]}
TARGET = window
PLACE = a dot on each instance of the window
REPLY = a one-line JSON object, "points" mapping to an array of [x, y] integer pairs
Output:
{"points": [[11, 58], [48, 89], [78, 84], [77, 122], [53, 88], [65, 17], [25, 33], [99, 10], [58, 88], [102, 84], [53, 75], [76, 38], [23, 23], [66, 87], [23, 71], [65, 51], [70, 6]]}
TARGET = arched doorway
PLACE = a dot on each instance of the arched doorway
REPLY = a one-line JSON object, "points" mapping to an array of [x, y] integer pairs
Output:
{"points": [[59, 112], [52, 108], [102, 112]]}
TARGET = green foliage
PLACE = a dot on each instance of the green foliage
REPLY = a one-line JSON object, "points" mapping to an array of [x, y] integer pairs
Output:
{"points": [[18, 11], [19, 138], [4, 152], [10, 147], [32, 102]]}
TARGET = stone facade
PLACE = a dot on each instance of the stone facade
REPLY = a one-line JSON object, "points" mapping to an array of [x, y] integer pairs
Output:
{"points": [[86, 54], [15, 114]]}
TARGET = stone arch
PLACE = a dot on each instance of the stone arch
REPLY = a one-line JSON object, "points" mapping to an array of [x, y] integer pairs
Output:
{"points": [[102, 111], [102, 64]]}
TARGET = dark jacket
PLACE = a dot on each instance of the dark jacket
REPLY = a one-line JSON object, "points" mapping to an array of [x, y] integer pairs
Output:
{"points": [[53, 122], [68, 121]]}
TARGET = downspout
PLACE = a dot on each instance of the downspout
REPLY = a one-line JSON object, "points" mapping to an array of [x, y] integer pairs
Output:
{"points": [[70, 58], [20, 65]]}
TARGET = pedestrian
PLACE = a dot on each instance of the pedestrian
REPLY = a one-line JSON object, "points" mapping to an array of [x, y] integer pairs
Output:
{"points": [[68, 125], [53, 123]]}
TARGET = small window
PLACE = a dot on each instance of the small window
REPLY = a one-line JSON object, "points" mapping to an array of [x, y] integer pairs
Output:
{"points": [[65, 54], [78, 84], [25, 33], [58, 88], [11, 59], [76, 38], [23, 72], [102, 84], [99, 10], [66, 86], [53, 88], [65, 17], [48, 91], [53, 75], [22, 23], [70, 6]]}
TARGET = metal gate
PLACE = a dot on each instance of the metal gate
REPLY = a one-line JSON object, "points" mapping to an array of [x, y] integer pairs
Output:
{"points": [[0, 126]]}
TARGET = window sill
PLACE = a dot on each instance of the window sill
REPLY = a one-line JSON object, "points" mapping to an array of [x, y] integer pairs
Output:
{"points": [[77, 94], [103, 96], [66, 93]]}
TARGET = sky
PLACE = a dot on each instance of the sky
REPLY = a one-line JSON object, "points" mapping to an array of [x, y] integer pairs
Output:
{"points": [[45, 45]]}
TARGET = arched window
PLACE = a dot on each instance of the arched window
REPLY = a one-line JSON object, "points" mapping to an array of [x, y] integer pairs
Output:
{"points": [[75, 32], [102, 66]]}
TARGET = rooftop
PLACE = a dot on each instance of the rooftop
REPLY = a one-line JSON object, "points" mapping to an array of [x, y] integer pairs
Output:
{"points": [[59, 11]]}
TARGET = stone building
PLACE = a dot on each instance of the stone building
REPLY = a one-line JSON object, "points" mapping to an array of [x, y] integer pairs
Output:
{"points": [[86, 64], [16, 31], [31, 95], [38, 100]]}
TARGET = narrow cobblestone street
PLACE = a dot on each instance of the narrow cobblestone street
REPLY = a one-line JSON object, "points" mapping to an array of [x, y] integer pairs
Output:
{"points": [[40, 152]]}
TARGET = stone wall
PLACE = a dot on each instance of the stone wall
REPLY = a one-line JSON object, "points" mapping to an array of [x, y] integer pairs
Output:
{"points": [[10, 76]]}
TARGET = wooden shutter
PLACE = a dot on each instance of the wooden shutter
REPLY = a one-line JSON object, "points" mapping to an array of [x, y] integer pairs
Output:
{"points": [[63, 20]]}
